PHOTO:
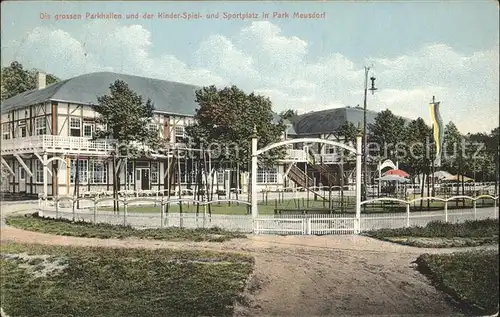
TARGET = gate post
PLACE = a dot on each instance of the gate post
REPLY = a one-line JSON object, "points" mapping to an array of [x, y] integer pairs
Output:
{"points": [[407, 215], [253, 176], [45, 176], [357, 227], [446, 211]]}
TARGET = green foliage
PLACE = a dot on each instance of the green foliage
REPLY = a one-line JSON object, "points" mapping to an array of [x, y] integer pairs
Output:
{"points": [[225, 121], [470, 278], [453, 157], [125, 118], [124, 282], [416, 135], [288, 114], [483, 154], [411, 144], [387, 130], [468, 233], [434, 229], [16, 80], [108, 231], [348, 131]]}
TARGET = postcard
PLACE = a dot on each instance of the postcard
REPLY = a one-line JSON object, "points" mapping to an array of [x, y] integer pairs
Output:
{"points": [[249, 158]]}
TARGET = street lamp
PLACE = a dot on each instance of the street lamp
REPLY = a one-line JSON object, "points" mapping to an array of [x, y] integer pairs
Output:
{"points": [[365, 136]]}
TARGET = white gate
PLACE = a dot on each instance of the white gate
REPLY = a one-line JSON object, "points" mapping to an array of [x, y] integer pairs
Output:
{"points": [[310, 225]]}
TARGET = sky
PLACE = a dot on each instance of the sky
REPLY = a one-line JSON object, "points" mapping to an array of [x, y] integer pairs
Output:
{"points": [[415, 49]]}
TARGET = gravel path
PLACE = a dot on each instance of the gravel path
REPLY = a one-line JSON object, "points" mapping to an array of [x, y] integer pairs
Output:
{"points": [[304, 275]]}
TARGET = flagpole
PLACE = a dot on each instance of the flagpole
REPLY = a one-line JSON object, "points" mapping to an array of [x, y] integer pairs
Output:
{"points": [[432, 169]]}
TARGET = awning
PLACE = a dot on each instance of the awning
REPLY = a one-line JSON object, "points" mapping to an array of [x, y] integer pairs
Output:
{"points": [[395, 172], [394, 178]]}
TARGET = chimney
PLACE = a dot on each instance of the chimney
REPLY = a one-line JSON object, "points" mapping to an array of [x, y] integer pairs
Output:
{"points": [[42, 80]]}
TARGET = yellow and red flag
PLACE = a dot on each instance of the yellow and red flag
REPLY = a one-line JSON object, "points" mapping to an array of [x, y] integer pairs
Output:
{"points": [[438, 131]]}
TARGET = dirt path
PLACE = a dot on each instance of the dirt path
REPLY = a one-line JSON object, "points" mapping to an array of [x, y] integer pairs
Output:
{"points": [[308, 275]]}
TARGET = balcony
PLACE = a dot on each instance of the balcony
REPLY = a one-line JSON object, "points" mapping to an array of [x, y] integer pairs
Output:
{"points": [[326, 158], [295, 156], [55, 144]]}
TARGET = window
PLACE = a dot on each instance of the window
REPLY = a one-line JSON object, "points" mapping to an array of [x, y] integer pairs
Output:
{"points": [[93, 171], [267, 175], [22, 128], [330, 149], [180, 134], [41, 126], [188, 177], [98, 171], [88, 129], [38, 171], [75, 128], [82, 171], [6, 131], [152, 126], [22, 174], [130, 172], [220, 177], [154, 172]]}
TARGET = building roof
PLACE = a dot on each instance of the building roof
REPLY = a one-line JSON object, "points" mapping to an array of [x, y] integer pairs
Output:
{"points": [[167, 96], [174, 98], [330, 120]]}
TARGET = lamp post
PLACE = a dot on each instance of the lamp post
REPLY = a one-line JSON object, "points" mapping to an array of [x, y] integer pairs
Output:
{"points": [[365, 136]]}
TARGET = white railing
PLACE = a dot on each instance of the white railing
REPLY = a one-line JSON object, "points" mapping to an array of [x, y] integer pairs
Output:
{"points": [[53, 142], [326, 158], [91, 210], [296, 155]]}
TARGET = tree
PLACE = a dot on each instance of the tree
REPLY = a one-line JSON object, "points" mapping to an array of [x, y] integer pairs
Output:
{"points": [[225, 121], [484, 155], [126, 121], [288, 114], [483, 165], [452, 151], [16, 80], [493, 146], [454, 156], [348, 131], [415, 136], [416, 157], [386, 132]]}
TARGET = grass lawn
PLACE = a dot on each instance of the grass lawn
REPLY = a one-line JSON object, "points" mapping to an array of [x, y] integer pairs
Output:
{"points": [[267, 208], [54, 281], [470, 278], [105, 231], [233, 208], [440, 234]]}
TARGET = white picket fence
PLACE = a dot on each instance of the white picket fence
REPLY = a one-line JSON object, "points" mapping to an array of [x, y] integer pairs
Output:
{"points": [[292, 224]]}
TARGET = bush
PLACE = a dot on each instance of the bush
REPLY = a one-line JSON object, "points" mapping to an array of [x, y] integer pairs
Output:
{"points": [[67, 227], [468, 233], [467, 229], [469, 278]]}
